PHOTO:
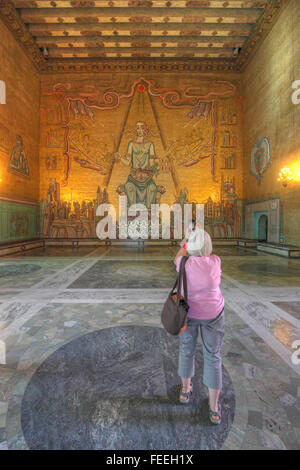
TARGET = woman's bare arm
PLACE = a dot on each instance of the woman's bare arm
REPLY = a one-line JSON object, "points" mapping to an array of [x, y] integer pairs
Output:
{"points": [[181, 252]]}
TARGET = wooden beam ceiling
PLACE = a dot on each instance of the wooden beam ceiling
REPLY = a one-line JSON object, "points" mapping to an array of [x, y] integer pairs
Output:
{"points": [[57, 31], [142, 29]]}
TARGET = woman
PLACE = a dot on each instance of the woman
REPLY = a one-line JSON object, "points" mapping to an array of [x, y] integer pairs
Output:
{"points": [[206, 310]]}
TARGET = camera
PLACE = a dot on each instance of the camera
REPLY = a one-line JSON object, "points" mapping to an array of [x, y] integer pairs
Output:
{"points": [[192, 225]]}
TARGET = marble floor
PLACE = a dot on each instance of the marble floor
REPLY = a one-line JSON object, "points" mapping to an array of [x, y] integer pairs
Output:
{"points": [[85, 364]]}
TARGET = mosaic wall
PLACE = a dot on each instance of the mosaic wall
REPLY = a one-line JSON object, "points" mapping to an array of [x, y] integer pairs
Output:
{"points": [[19, 122], [18, 221], [270, 113], [19, 143], [158, 138]]}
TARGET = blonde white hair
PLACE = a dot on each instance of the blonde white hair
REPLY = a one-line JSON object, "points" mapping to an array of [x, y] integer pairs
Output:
{"points": [[199, 243]]}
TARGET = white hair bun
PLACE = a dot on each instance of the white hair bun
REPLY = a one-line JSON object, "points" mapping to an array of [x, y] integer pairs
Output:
{"points": [[199, 243]]}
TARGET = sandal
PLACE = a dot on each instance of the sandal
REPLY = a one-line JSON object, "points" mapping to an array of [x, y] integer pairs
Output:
{"points": [[215, 416], [186, 395]]}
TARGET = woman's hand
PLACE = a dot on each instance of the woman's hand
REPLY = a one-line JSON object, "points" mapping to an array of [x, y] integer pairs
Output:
{"points": [[183, 241], [187, 234]]}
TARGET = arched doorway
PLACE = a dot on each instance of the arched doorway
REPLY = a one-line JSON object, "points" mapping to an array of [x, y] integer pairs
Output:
{"points": [[263, 228]]}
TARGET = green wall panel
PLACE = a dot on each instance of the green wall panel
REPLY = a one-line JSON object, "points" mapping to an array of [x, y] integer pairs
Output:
{"points": [[18, 221]]}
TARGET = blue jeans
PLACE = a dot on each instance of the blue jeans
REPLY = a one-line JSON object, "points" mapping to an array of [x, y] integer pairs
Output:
{"points": [[212, 333]]}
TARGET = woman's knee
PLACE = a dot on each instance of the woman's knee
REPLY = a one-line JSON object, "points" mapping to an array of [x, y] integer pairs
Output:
{"points": [[187, 348], [214, 361]]}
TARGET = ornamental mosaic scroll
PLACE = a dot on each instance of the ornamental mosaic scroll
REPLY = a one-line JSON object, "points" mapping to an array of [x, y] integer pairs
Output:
{"points": [[260, 158], [72, 106]]}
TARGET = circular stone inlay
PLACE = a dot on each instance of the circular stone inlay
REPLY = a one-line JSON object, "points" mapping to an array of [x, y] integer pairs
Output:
{"points": [[17, 269], [118, 388]]}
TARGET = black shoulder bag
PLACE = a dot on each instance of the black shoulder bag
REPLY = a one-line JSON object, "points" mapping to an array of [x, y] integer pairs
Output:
{"points": [[175, 310]]}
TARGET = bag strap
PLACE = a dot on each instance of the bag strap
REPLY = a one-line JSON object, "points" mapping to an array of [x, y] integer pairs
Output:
{"points": [[174, 287], [183, 276]]}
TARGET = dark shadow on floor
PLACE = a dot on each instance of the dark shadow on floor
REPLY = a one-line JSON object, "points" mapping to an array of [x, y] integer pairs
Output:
{"points": [[118, 388]]}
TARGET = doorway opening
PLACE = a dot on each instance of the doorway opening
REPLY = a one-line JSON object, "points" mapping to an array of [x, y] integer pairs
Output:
{"points": [[263, 228]]}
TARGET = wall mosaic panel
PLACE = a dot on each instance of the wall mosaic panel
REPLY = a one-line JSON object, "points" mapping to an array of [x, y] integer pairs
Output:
{"points": [[153, 138], [18, 221]]}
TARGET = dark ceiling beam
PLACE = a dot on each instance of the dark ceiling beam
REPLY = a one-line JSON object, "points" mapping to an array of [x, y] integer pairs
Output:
{"points": [[202, 41], [139, 29], [234, 15], [154, 4], [56, 51]]}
